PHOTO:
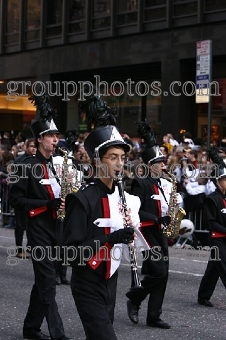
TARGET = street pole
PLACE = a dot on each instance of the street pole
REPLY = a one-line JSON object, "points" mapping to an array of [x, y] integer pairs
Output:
{"points": [[210, 100]]}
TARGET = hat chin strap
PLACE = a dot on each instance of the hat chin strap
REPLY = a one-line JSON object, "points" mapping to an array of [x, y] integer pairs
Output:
{"points": [[97, 153]]}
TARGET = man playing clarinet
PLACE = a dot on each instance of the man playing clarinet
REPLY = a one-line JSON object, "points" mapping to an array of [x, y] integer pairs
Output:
{"points": [[94, 226]]}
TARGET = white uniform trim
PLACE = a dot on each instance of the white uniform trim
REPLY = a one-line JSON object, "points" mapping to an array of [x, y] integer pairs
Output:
{"points": [[120, 251]]}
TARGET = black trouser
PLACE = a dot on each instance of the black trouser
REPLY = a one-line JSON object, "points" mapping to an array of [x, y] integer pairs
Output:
{"points": [[216, 268], [42, 299], [209, 281], [95, 302], [154, 283], [220, 244], [61, 270]]}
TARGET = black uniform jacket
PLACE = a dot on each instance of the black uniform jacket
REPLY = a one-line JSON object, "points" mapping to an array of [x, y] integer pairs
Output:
{"points": [[150, 209], [28, 194], [214, 213], [82, 209]]}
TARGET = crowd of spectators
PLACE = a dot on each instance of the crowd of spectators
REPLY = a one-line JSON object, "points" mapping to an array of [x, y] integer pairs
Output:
{"points": [[186, 159]]}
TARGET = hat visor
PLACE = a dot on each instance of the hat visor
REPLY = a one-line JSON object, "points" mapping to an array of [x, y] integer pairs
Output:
{"points": [[183, 159], [157, 160], [124, 146], [49, 131], [221, 177]]}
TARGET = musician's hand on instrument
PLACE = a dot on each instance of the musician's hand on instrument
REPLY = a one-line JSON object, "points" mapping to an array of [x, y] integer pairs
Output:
{"points": [[70, 176], [127, 218], [135, 237], [178, 198], [130, 220], [62, 204], [54, 204], [125, 235], [165, 220]]}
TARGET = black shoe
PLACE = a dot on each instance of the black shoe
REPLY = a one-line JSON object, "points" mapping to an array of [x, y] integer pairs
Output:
{"points": [[58, 280], [35, 335], [9, 226], [205, 302], [158, 323], [132, 311], [64, 281]]}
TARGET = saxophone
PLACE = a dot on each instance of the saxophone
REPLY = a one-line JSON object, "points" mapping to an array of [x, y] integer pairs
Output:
{"points": [[66, 187], [174, 211]]}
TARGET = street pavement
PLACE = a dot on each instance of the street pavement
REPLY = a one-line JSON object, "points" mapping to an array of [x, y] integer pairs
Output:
{"points": [[188, 319]]}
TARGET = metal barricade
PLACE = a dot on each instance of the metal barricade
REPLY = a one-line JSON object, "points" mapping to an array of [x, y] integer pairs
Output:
{"points": [[200, 232], [200, 236], [6, 210], [196, 217]]}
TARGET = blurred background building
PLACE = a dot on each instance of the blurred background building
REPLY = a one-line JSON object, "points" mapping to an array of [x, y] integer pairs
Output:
{"points": [[60, 41]]}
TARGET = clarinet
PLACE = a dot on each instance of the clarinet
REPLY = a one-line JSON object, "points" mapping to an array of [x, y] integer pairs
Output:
{"points": [[135, 280]]}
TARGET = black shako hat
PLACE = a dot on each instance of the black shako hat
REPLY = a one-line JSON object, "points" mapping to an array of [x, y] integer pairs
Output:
{"points": [[152, 153], [103, 137], [45, 122], [219, 172], [103, 119]]}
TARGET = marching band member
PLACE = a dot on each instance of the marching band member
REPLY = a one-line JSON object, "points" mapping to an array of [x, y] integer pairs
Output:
{"points": [[214, 219], [154, 193], [94, 226], [36, 192]]}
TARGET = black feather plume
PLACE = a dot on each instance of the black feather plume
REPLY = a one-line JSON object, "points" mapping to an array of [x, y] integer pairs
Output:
{"points": [[45, 110], [147, 134], [71, 137], [98, 113], [214, 156]]}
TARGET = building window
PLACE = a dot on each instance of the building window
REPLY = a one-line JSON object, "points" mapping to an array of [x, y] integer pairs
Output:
{"points": [[101, 14], [214, 5], [126, 12], [218, 113], [16, 114], [153, 108], [184, 8], [54, 18], [77, 14], [129, 111], [154, 10], [32, 20], [12, 22]]}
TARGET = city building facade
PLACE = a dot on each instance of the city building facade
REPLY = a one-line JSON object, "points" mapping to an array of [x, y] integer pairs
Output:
{"points": [[140, 53]]}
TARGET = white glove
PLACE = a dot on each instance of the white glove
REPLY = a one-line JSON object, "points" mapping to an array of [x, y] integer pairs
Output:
{"points": [[135, 220], [178, 198]]}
